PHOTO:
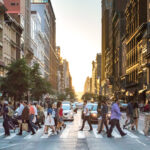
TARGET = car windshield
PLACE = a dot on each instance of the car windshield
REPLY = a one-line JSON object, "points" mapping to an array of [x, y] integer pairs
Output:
{"points": [[66, 107], [92, 107]]}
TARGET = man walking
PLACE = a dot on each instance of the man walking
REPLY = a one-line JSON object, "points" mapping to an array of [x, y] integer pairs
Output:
{"points": [[86, 117], [130, 115], [25, 119], [104, 112], [115, 117]]}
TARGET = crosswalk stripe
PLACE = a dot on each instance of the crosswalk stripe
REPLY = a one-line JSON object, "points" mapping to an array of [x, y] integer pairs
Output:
{"points": [[65, 133], [81, 135], [28, 137], [11, 136], [45, 136], [131, 134], [115, 134], [98, 136], [141, 132], [1, 134]]}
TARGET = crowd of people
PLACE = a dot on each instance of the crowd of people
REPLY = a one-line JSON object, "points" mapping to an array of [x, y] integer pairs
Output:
{"points": [[113, 119], [31, 116]]}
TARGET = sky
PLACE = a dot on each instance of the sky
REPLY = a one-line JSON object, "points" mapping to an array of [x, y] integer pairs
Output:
{"points": [[78, 33]]}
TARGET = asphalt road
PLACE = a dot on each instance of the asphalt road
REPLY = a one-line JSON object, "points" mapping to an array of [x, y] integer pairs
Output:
{"points": [[73, 139]]}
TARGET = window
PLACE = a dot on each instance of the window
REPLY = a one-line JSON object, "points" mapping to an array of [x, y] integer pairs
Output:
{"points": [[13, 4]]}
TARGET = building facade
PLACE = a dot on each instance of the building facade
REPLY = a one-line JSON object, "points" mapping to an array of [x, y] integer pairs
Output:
{"points": [[37, 42], [44, 8], [21, 11]]}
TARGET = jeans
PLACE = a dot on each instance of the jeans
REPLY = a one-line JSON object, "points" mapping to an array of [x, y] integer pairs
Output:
{"points": [[32, 124], [87, 118], [115, 122], [104, 121], [6, 127]]}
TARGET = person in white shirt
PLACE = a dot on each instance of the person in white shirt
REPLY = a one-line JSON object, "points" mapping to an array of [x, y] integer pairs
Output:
{"points": [[86, 117], [36, 114], [20, 109]]}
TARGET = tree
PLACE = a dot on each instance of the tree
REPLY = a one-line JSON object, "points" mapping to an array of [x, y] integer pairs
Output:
{"points": [[39, 85], [16, 82], [87, 96]]}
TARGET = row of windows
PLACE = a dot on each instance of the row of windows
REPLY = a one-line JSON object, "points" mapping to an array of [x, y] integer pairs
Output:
{"points": [[133, 76], [132, 58]]}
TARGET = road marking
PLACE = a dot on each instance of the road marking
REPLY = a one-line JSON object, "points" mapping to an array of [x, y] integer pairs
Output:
{"points": [[141, 132], [131, 134], [98, 136], [140, 142], [65, 133], [116, 135], [28, 137], [81, 135], [11, 136], [1, 134], [8, 146]]}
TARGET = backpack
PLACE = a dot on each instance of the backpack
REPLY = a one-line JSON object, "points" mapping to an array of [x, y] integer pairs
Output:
{"points": [[10, 112]]}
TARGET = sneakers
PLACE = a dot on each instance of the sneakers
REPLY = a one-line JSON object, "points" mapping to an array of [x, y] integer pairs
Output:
{"points": [[81, 130], [33, 133], [123, 134], [90, 130], [110, 136], [19, 134]]}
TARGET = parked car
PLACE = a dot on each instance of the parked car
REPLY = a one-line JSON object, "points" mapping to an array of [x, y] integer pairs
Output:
{"points": [[68, 113]]}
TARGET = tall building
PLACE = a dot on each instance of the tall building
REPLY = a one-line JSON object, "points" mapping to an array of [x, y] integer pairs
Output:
{"points": [[87, 88], [10, 36], [106, 13], [45, 9], [21, 11], [2, 12], [38, 42], [136, 46]]}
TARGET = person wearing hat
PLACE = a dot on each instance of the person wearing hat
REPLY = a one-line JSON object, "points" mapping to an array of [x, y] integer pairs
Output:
{"points": [[6, 118]]}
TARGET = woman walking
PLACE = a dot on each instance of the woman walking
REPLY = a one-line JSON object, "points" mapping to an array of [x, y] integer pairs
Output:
{"points": [[49, 121], [136, 115]]}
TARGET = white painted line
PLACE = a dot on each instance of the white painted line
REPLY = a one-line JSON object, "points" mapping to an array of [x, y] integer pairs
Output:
{"points": [[28, 137], [81, 135], [65, 133], [8, 146], [98, 136], [131, 134], [141, 132], [116, 135], [1, 134], [140, 142], [11, 136]]}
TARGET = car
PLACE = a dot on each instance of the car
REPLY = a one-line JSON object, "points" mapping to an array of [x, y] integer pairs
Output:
{"points": [[123, 106], [79, 105], [68, 114], [93, 112], [74, 107]]}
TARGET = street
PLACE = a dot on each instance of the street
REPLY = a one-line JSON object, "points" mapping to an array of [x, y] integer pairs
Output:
{"points": [[73, 139]]}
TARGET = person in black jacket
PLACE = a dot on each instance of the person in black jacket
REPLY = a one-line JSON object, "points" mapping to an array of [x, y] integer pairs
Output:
{"points": [[6, 119], [104, 112]]}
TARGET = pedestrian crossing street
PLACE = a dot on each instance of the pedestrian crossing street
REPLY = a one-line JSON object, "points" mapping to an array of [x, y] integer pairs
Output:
{"points": [[69, 131]]}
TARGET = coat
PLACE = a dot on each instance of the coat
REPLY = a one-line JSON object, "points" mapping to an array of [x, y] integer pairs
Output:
{"points": [[25, 113]]}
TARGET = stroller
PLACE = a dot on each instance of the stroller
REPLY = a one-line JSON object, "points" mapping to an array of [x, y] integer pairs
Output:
{"points": [[11, 125]]}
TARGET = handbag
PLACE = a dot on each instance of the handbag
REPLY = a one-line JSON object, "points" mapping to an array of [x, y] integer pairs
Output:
{"points": [[24, 126], [34, 119]]}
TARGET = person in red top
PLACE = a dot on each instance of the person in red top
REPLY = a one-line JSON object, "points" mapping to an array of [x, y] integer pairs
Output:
{"points": [[32, 116], [60, 116]]}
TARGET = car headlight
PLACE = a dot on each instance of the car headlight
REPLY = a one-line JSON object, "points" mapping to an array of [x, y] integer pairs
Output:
{"points": [[94, 115]]}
